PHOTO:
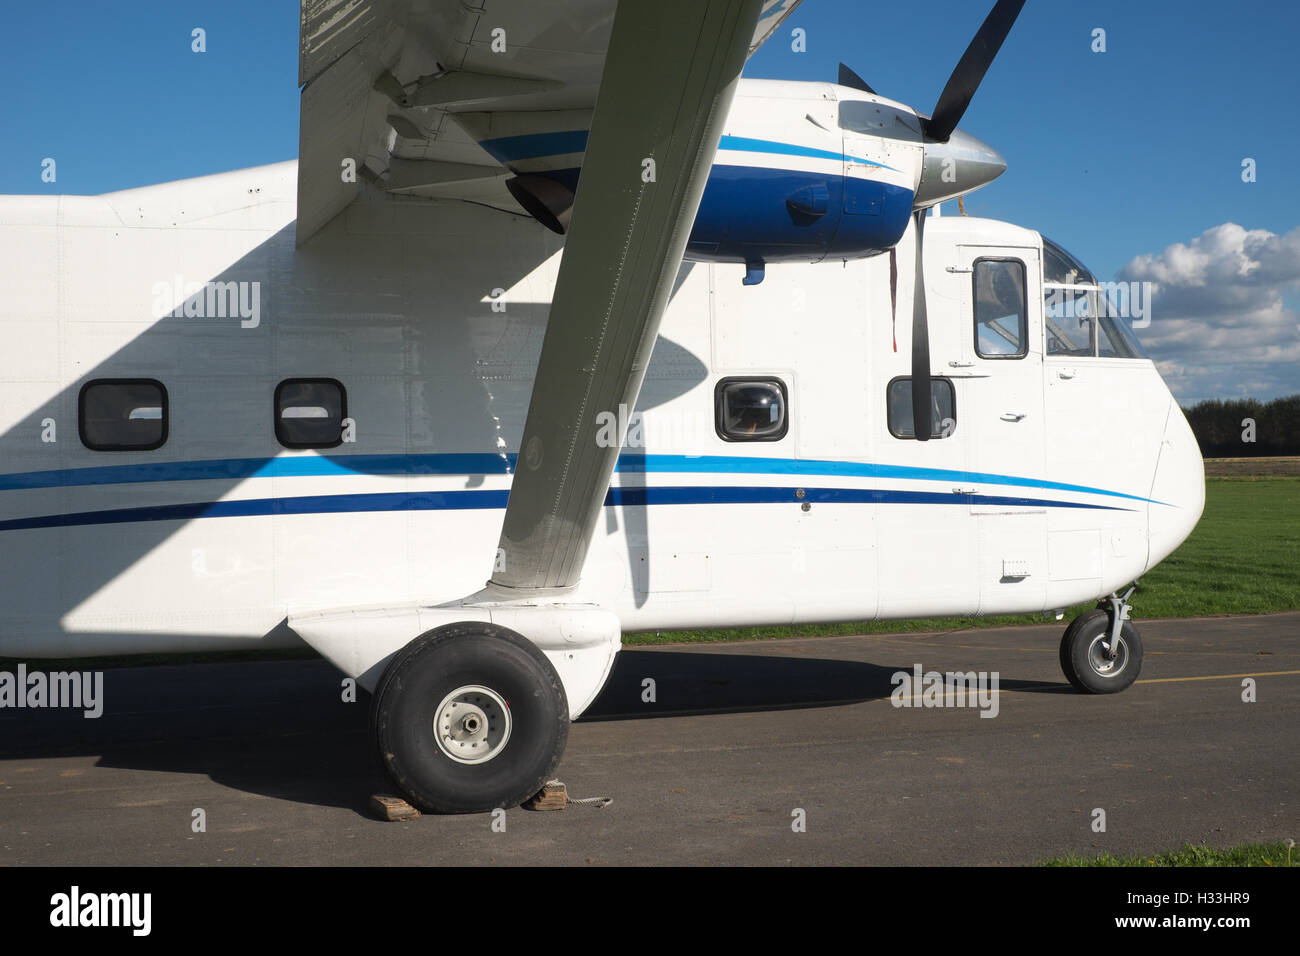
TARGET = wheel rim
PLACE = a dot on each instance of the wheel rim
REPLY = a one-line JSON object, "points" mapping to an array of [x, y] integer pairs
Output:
{"points": [[472, 724], [1101, 664]]}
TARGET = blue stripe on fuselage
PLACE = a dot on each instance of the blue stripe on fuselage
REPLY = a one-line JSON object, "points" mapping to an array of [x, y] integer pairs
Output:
{"points": [[746, 145], [316, 466], [511, 149], [482, 499]]}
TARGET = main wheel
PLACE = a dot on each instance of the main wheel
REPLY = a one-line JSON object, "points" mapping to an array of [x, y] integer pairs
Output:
{"points": [[470, 717], [1085, 649]]}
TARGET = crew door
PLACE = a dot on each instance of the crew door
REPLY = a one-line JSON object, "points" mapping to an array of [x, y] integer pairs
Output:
{"points": [[1002, 365]]}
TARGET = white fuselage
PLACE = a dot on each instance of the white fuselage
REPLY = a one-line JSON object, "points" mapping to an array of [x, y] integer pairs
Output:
{"points": [[431, 314]]}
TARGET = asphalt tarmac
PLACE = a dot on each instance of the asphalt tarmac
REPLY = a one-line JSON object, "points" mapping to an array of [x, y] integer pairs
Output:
{"points": [[766, 752]]}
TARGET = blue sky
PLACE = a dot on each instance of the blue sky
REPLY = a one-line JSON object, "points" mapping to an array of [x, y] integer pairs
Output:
{"points": [[1115, 155]]}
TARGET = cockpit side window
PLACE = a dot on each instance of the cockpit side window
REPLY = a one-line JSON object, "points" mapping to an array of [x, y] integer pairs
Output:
{"points": [[1084, 317], [1070, 319], [1001, 315], [1116, 340]]}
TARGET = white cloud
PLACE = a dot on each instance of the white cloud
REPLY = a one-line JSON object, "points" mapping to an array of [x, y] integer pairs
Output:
{"points": [[1219, 325]]}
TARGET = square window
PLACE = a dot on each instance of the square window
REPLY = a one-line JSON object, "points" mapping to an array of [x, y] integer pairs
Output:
{"points": [[943, 408], [1001, 313], [309, 412], [122, 414], [750, 409]]}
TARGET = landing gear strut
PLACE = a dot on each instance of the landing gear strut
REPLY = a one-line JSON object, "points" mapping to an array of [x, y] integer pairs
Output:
{"points": [[1101, 650]]}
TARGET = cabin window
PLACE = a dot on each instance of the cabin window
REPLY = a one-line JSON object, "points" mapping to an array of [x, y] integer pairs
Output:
{"points": [[122, 414], [943, 408], [309, 412], [1001, 314], [750, 409]]}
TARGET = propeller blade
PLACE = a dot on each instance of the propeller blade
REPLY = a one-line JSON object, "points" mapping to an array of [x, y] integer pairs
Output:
{"points": [[853, 81], [970, 70], [921, 417]]}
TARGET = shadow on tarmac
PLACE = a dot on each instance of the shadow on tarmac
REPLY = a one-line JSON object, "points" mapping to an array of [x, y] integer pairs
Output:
{"points": [[281, 729]]}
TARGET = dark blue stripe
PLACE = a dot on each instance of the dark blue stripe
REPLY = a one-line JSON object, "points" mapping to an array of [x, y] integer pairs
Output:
{"points": [[477, 500], [503, 464], [239, 468]]}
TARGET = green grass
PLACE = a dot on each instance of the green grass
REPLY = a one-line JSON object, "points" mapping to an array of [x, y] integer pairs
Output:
{"points": [[1243, 558], [1248, 854]]}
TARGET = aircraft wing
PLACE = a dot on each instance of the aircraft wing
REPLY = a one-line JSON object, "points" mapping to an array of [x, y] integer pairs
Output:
{"points": [[411, 90], [399, 93]]}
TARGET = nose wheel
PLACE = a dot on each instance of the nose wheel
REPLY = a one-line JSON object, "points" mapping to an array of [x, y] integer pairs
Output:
{"points": [[1101, 650]]}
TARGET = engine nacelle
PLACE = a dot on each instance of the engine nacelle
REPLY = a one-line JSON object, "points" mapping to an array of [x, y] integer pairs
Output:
{"points": [[760, 215], [803, 172]]}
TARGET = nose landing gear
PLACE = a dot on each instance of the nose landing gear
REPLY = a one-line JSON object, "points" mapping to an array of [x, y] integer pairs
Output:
{"points": [[1101, 650]]}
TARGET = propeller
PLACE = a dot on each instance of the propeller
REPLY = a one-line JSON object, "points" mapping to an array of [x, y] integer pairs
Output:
{"points": [[920, 340], [970, 70], [953, 101], [853, 81]]}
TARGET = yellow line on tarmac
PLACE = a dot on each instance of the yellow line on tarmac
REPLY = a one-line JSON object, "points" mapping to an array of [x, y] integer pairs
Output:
{"points": [[1155, 680], [1175, 680]]}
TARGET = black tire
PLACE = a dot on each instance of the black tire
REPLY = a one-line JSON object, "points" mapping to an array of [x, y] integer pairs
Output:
{"points": [[1082, 660], [423, 674]]}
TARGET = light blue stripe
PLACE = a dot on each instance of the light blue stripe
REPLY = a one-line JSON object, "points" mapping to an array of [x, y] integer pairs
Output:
{"points": [[492, 499], [309, 466], [791, 466], [745, 144], [509, 149]]}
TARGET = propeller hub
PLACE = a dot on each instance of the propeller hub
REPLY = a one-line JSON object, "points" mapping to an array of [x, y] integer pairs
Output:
{"points": [[956, 167]]}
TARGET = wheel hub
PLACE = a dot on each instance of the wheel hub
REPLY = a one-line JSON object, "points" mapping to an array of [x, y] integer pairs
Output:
{"points": [[472, 724], [1099, 658]]}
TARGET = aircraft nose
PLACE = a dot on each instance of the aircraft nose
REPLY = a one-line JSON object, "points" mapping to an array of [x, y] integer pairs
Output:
{"points": [[955, 167], [1178, 492]]}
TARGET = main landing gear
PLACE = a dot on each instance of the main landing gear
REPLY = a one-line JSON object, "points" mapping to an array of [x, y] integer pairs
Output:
{"points": [[1101, 650], [470, 717]]}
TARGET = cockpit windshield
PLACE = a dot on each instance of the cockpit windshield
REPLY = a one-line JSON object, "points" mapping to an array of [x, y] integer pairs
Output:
{"points": [[1085, 317]]}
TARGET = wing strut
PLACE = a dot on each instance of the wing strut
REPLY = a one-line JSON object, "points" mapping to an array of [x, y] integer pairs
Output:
{"points": [[670, 75]]}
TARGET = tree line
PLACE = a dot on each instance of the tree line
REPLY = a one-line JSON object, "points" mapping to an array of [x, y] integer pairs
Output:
{"points": [[1246, 427]]}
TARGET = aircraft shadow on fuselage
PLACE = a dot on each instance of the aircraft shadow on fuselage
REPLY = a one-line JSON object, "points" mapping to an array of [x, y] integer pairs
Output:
{"points": [[456, 413]]}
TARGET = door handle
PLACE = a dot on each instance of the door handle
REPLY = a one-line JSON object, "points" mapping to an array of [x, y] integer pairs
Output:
{"points": [[960, 364], [1065, 373], [1013, 416]]}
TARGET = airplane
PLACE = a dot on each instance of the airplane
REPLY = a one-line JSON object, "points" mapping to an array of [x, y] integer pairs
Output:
{"points": [[555, 300]]}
